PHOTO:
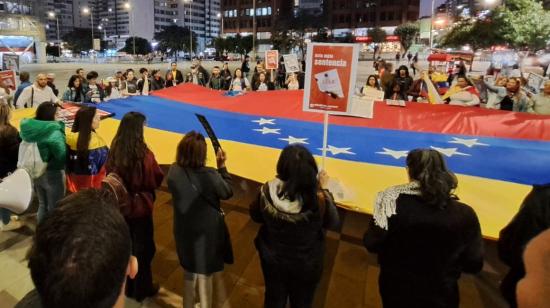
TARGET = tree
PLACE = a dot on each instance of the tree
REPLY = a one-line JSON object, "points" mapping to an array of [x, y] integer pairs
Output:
{"points": [[523, 24], [407, 34], [291, 30], [80, 39], [143, 46], [221, 45], [321, 36], [244, 44], [477, 33], [283, 41], [174, 39], [377, 34]]}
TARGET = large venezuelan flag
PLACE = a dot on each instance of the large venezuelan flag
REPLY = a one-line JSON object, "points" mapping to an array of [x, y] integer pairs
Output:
{"points": [[496, 155]]}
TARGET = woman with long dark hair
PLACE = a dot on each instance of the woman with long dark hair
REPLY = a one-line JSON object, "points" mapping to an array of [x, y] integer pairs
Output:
{"points": [[371, 84], [49, 135], [202, 238], [394, 91], [133, 162], [9, 143], [294, 209], [87, 151], [239, 82], [424, 237], [75, 90]]}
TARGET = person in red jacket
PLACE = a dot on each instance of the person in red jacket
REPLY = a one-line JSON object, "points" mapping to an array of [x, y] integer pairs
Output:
{"points": [[135, 164]]}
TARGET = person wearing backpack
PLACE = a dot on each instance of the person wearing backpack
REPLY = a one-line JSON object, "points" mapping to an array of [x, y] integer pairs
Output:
{"points": [[131, 161], [48, 135], [39, 92], [87, 151]]}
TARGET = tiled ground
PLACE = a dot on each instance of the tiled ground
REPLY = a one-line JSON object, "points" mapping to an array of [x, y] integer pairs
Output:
{"points": [[350, 276]]}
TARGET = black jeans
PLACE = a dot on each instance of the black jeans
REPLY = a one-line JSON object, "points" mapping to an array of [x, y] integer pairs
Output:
{"points": [[143, 248], [288, 282]]}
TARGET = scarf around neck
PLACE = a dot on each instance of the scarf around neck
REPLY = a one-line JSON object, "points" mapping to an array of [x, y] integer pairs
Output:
{"points": [[385, 205]]}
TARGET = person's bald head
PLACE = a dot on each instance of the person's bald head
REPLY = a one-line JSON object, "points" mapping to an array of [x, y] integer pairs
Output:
{"points": [[533, 291], [41, 80]]}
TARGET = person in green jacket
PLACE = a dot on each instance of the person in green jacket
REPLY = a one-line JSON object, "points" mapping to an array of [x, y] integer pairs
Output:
{"points": [[49, 135]]}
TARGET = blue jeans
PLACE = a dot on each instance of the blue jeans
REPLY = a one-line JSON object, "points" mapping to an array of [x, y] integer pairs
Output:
{"points": [[49, 188]]}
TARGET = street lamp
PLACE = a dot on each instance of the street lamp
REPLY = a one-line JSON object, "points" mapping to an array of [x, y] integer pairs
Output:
{"points": [[52, 15], [432, 25], [190, 28], [254, 30], [87, 11], [128, 7], [220, 15]]}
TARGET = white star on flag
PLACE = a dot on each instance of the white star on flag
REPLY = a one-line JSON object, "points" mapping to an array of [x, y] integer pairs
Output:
{"points": [[336, 151], [294, 140], [393, 153], [263, 121], [449, 152], [467, 142], [266, 130]]}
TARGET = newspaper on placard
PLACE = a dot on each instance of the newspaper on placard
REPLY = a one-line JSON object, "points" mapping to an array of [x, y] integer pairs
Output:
{"points": [[329, 82], [371, 93], [534, 83], [291, 63]]}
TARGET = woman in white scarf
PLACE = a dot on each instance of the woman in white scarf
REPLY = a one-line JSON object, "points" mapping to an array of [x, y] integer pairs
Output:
{"points": [[424, 237]]}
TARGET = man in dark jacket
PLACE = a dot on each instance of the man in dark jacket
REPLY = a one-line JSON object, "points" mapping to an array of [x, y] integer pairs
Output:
{"points": [[177, 76], [198, 64], [144, 83], [216, 81], [51, 80], [245, 67], [532, 219]]}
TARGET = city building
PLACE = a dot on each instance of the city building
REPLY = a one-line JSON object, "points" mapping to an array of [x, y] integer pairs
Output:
{"points": [[120, 19], [204, 18], [56, 15], [344, 16], [116, 20]]}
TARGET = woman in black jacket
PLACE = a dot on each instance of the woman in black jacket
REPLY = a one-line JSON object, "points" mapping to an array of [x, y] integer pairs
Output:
{"points": [[424, 237], [294, 209], [9, 143], [202, 238]]}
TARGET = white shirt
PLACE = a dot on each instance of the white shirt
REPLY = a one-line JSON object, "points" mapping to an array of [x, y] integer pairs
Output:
{"points": [[40, 95], [293, 85], [115, 93]]}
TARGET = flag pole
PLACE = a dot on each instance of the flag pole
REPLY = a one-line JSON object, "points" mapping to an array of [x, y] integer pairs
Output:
{"points": [[325, 140]]}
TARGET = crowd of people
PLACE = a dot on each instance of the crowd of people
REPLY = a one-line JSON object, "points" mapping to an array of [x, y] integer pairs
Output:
{"points": [[96, 202], [456, 88], [89, 88]]}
